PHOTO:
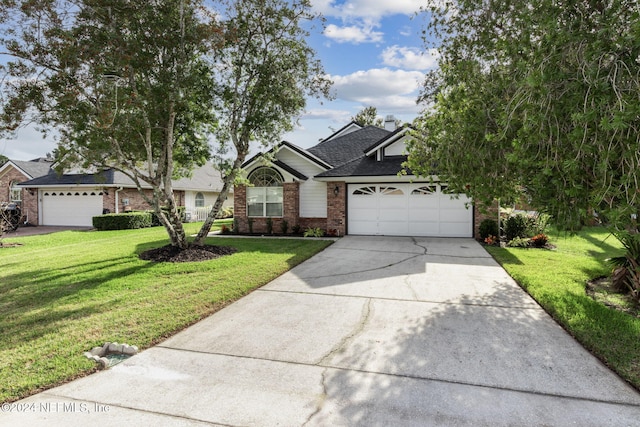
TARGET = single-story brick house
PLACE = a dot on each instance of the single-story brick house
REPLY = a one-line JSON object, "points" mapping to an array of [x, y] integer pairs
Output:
{"points": [[349, 184], [73, 199]]}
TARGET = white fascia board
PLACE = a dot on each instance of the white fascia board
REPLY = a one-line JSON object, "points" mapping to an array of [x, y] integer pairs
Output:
{"points": [[16, 167], [388, 142], [377, 178], [307, 156]]}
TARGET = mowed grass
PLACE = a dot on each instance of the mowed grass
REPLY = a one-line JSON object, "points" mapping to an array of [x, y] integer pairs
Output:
{"points": [[557, 280], [62, 294]]}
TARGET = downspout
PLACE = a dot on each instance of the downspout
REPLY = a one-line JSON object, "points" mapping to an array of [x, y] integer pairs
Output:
{"points": [[117, 200]]}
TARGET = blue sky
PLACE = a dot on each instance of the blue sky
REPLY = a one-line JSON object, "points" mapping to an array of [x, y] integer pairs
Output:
{"points": [[371, 49]]}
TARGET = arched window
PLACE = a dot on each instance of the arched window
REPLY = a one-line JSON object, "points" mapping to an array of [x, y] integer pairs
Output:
{"points": [[199, 200], [16, 193], [265, 197]]}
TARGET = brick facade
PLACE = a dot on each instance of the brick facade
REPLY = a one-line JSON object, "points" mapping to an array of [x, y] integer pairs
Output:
{"points": [[482, 212], [290, 213], [336, 208], [335, 222], [29, 203]]}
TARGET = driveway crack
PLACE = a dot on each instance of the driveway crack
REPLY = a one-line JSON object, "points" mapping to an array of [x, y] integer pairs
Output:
{"points": [[364, 318]]}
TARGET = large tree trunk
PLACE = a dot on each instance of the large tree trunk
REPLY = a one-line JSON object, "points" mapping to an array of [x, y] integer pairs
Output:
{"points": [[228, 182]]}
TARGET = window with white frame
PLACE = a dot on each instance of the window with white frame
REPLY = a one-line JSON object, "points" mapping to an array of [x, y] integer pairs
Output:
{"points": [[199, 200], [265, 197], [16, 193]]}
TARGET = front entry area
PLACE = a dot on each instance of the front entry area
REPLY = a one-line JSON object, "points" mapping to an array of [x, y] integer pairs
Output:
{"points": [[417, 209]]}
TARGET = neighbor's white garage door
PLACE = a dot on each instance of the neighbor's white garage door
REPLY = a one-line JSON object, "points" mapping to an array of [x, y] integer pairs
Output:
{"points": [[60, 207], [407, 210]]}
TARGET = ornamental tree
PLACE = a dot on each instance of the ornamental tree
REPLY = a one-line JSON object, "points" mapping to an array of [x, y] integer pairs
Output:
{"points": [[263, 75], [125, 83], [539, 97]]}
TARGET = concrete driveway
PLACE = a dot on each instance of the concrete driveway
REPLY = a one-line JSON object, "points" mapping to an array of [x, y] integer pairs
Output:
{"points": [[373, 331], [42, 229]]}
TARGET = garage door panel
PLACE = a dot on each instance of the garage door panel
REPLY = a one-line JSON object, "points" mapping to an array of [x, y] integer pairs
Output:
{"points": [[455, 215], [424, 228], [407, 210], [393, 228], [455, 229], [431, 215], [392, 214], [70, 208]]}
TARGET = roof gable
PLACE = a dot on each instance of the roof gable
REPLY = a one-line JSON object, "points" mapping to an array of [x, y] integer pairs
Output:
{"points": [[348, 147], [350, 127], [301, 152], [30, 169]]}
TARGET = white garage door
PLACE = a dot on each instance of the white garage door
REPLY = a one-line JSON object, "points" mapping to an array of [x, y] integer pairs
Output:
{"points": [[70, 207], [407, 210]]}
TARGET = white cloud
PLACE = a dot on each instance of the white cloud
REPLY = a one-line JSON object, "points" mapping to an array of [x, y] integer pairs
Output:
{"points": [[409, 58], [355, 34], [382, 88], [337, 116], [368, 8]]}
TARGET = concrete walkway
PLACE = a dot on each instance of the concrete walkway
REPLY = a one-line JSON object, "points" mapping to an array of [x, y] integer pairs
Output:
{"points": [[373, 331]]}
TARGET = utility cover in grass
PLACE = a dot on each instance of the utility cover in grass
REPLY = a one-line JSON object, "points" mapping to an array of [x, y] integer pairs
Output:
{"points": [[192, 253]]}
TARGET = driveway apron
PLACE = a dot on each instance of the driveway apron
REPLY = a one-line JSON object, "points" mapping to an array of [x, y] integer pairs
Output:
{"points": [[373, 331]]}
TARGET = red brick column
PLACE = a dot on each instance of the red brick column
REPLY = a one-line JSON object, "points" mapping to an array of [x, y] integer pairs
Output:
{"points": [[291, 204], [240, 208], [482, 212], [336, 208]]}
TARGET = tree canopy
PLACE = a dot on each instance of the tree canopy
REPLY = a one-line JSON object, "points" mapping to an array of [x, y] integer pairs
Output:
{"points": [[142, 86], [368, 116], [263, 75], [541, 98]]}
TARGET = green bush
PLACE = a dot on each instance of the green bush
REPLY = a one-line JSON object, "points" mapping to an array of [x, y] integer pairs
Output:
{"points": [[122, 221], [313, 232], [225, 212], [284, 226], [516, 226], [488, 227], [518, 242]]}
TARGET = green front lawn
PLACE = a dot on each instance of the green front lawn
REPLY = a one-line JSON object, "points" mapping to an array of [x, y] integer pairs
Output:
{"points": [[62, 294], [557, 279]]}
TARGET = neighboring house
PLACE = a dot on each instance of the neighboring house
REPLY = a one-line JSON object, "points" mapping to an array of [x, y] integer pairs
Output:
{"points": [[73, 199], [349, 184], [15, 172]]}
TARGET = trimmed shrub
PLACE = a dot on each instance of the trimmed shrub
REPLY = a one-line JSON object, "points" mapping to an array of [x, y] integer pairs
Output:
{"points": [[488, 227], [122, 221], [516, 226]]}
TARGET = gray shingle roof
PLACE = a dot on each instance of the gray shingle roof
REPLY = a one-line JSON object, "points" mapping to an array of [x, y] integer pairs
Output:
{"points": [[205, 178], [349, 147], [367, 166], [34, 168]]}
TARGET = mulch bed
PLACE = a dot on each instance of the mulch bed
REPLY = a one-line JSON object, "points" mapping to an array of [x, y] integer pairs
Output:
{"points": [[191, 254]]}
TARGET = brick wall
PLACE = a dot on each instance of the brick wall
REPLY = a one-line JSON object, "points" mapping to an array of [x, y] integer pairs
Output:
{"points": [[29, 204], [482, 212], [290, 208], [336, 208]]}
